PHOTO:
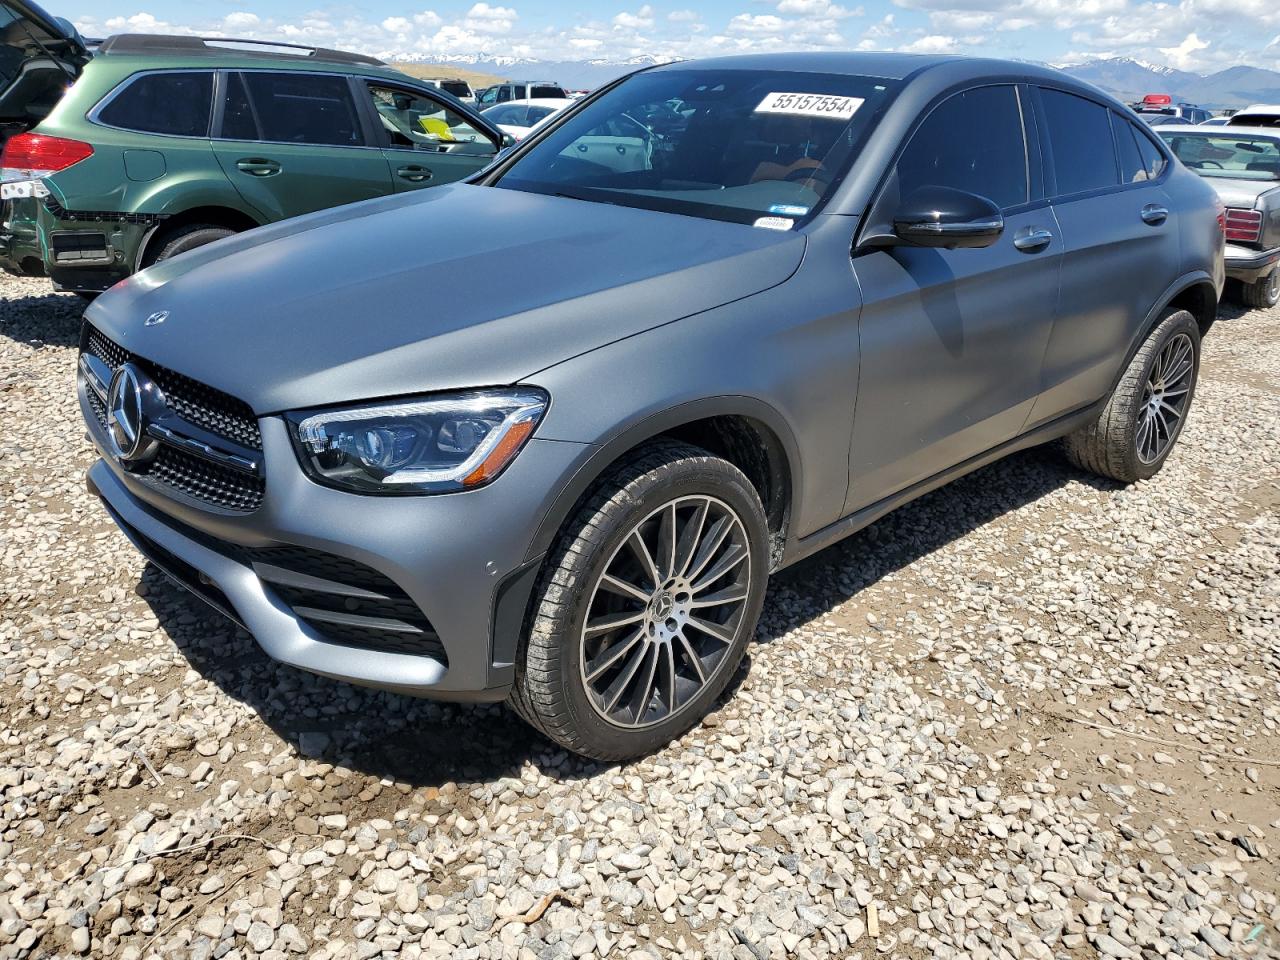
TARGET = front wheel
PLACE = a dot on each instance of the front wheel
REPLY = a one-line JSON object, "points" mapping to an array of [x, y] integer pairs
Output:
{"points": [[1134, 434], [646, 605]]}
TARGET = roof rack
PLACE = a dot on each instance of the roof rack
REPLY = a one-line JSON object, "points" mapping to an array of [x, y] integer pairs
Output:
{"points": [[144, 43]]}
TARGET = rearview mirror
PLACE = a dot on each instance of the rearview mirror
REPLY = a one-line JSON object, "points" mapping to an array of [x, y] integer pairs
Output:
{"points": [[943, 217]]}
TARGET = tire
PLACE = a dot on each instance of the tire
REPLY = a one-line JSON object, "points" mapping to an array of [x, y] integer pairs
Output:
{"points": [[1262, 294], [1116, 444], [187, 238], [661, 482]]}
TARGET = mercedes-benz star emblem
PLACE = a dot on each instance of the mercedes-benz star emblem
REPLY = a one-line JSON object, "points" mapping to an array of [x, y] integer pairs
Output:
{"points": [[156, 318], [127, 402]]}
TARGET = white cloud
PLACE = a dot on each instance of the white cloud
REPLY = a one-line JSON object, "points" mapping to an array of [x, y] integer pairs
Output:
{"points": [[684, 16], [640, 20], [241, 20], [483, 18], [1183, 56], [932, 43], [764, 24], [822, 9]]}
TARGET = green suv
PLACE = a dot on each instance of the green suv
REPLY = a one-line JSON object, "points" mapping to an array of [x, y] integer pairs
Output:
{"points": [[163, 144]]}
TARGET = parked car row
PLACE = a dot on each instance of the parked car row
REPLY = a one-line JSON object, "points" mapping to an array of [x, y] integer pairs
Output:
{"points": [[759, 303]]}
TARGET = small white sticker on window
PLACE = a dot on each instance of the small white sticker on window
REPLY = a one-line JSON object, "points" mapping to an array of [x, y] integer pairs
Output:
{"points": [[817, 105], [774, 223]]}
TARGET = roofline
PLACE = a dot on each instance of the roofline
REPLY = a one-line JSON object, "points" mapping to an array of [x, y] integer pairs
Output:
{"points": [[125, 44]]}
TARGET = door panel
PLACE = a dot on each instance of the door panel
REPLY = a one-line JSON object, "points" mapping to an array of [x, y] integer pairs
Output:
{"points": [[294, 143], [1115, 267], [952, 342], [1120, 244], [426, 143]]}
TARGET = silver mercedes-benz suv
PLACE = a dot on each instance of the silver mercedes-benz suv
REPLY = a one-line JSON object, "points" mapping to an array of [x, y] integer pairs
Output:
{"points": [[544, 436]]}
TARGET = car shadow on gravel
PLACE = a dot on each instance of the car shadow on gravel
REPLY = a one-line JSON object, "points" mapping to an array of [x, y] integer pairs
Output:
{"points": [[822, 582], [421, 743], [50, 320]]}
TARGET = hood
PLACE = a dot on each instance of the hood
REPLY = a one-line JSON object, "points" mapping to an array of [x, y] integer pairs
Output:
{"points": [[448, 288], [40, 56], [1241, 193]]}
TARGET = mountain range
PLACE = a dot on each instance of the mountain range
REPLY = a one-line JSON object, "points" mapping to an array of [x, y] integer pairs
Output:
{"points": [[1124, 77]]}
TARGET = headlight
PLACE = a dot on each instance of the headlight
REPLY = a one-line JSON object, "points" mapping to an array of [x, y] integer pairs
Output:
{"points": [[437, 444]]}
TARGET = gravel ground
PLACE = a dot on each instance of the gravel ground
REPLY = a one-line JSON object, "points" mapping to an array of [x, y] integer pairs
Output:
{"points": [[1032, 715]]}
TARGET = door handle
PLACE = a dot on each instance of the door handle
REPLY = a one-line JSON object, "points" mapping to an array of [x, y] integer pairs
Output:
{"points": [[1033, 239], [1155, 214], [414, 174], [256, 167]]}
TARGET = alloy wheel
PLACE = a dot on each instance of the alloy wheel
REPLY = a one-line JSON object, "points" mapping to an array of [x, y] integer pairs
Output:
{"points": [[1164, 398], [665, 611]]}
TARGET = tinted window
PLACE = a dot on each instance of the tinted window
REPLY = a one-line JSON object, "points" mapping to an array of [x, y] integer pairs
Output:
{"points": [[973, 142], [1132, 167], [456, 87], [177, 104], [735, 145], [416, 122], [304, 108], [238, 120], [1152, 158], [1079, 133], [547, 93]]}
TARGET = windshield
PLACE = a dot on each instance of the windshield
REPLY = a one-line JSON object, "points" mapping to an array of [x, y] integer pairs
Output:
{"points": [[1223, 155], [732, 145]]}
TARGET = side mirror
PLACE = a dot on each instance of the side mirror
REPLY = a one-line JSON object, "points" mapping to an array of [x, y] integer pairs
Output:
{"points": [[508, 141], [943, 217]]}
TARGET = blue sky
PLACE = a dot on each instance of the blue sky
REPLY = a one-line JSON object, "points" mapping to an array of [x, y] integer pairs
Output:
{"points": [[1201, 35]]}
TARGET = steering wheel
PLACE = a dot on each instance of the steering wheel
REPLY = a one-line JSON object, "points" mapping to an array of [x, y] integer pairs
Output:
{"points": [[806, 174]]}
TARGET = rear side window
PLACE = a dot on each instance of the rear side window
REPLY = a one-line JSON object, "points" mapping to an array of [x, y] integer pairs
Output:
{"points": [[973, 142], [547, 93], [295, 108], [1079, 131], [174, 104]]}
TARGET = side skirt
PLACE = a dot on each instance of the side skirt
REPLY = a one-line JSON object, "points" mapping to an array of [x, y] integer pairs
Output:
{"points": [[820, 539]]}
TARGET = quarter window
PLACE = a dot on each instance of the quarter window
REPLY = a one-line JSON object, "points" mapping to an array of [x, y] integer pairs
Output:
{"points": [[1079, 131], [292, 108], [973, 142], [1132, 167], [1152, 158], [174, 104]]}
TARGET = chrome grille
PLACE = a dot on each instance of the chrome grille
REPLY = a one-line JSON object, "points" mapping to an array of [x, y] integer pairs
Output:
{"points": [[179, 469]]}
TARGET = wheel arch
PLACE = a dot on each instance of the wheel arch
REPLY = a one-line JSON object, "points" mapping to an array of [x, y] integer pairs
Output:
{"points": [[214, 216], [1195, 293], [745, 431]]}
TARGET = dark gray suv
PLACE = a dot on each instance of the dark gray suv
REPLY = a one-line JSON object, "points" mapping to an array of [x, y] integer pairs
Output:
{"points": [[545, 435]]}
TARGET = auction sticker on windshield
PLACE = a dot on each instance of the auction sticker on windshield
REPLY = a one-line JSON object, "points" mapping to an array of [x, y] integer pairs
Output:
{"points": [[811, 105]]}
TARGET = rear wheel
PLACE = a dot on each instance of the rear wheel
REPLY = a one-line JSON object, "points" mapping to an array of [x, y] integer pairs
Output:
{"points": [[1263, 293], [1134, 434], [187, 238], [646, 605]]}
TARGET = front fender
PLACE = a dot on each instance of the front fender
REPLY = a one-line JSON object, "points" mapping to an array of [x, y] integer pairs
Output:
{"points": [[599, 457]]}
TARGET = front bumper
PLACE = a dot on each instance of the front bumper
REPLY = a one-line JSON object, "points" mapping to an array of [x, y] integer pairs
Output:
{"points": [[463, 559], [1250, 265]]}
